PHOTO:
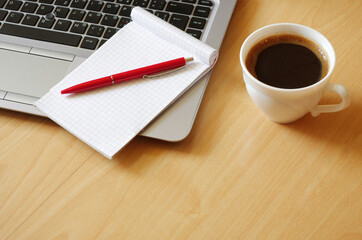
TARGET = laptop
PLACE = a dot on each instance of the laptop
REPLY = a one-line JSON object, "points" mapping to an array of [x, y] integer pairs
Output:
{"points": [[41, 41]]}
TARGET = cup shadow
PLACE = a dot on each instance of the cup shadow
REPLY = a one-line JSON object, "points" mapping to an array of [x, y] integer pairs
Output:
{"points": [[340, 128]]}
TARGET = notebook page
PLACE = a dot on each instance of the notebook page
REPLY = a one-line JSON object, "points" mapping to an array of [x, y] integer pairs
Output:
{"points": [[201, 51], [108, 118]]}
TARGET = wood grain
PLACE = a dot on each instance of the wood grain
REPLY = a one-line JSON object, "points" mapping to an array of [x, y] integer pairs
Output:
{"points": [[236, 176]]}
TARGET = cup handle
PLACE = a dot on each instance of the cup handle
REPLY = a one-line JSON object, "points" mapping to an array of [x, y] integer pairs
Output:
{"points": [[342, 92]]}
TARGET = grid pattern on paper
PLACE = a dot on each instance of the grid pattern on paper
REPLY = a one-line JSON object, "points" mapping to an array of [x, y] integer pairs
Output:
{"points": [[108, 118]]}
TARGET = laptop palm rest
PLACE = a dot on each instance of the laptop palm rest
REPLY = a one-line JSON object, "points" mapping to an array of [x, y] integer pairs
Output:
{"points": [[29, 74]]}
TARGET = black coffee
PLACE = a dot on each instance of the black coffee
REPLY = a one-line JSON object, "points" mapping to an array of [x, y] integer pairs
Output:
{"points": [[287, 61]]}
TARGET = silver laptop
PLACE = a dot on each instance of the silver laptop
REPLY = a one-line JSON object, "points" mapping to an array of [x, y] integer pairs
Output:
{"points": [[41, 41]]}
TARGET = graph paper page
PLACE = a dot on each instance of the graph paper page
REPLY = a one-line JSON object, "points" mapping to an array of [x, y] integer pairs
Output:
{"points": [[108, 118]]}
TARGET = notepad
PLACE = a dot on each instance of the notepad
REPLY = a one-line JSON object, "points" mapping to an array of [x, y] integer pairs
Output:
{"points": [[108, 118]]}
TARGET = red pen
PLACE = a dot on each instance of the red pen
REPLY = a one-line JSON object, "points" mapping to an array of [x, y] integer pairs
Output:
{"points": [[129, 75]]}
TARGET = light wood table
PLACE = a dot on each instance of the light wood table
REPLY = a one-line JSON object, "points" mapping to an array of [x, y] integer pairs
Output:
{"points": [[236, 176]]}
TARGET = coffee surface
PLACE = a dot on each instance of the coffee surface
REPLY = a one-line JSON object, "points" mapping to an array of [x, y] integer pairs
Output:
{"points": [[287, 61]]}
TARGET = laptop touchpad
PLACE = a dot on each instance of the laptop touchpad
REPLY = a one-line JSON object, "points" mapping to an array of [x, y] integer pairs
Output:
{"points": [[30, 74]]}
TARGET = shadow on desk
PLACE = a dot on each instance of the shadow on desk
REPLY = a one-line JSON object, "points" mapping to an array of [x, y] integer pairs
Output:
{"points": [[151, 149], [335, 129]]}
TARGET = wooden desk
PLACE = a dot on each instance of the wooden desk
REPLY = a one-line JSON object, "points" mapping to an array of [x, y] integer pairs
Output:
{"points": [[237, 175]]}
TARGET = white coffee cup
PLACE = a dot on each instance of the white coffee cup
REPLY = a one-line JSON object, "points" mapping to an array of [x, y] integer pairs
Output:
{"points": [[287, 105]]}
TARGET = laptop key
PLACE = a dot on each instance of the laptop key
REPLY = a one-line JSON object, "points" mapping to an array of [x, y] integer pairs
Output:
{"points": [[198, 23], [14, 17], [95, 5], [93, 17], [194, 33], [179, 7], [61, 12], [123, 22], [29, 7], [125, 11], [41, 34], [163, 15], [189, 1], [89, 43], [79, 27], [44, 23], [46, 1], [3, 14], [179, 21], [62, 25], [141, 3], [110, 32], [202, 11], [205, 2], [111, 8], [109, 20], [13, 5], [157, 4], [44, 9], [62, 2], [95, 30], [127, 2], [77, 14], [78, 3], [30, 20]]}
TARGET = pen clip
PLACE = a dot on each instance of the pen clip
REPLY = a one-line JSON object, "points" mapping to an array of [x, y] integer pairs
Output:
{"points": [[163, 73]]}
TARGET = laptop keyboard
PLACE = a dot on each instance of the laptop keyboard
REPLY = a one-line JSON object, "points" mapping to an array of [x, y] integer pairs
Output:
{"points": [[88, 24]]}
